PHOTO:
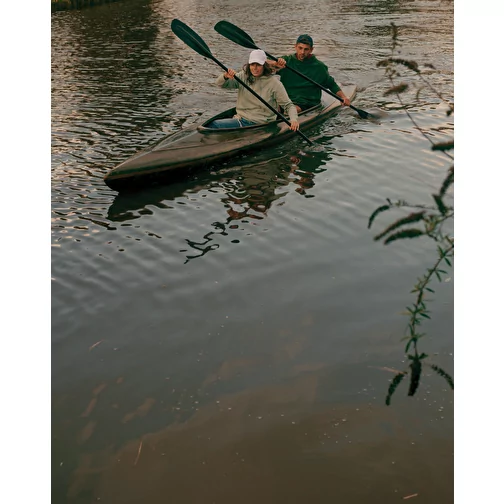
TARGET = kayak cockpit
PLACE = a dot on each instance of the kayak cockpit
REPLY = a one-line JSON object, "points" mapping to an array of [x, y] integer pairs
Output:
{"points": [[228, 114]]}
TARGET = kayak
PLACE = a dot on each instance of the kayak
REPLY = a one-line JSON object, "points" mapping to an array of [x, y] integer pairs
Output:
{"points": [[179, 154]]}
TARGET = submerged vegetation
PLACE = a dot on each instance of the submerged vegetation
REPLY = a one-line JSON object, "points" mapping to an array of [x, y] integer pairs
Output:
{"points": [[422, 221]]}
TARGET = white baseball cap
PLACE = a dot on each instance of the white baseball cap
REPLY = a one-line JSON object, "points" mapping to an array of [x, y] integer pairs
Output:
{"points": [[257, 56]]}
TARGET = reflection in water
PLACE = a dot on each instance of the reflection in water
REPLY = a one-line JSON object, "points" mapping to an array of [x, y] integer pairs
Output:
{"points": [[117, 87], [249, 191]]}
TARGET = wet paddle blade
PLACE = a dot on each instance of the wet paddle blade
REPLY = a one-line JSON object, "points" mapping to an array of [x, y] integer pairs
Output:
{"points": [[235, 34], [191, 38], [362, 113], [365, 115]]}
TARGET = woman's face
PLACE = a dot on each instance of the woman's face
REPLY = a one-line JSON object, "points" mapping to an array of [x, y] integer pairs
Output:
{"points": [[256, 70]]}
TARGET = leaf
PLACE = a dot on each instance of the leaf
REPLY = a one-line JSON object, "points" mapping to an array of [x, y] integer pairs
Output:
{"points": [[447, 182], [395, 383], [444, 374], [424, 315], [407, 233], [400, 88], [412, 65], [416, 371], [379, 210], [439, 202], [412, 217], [443, 146]]}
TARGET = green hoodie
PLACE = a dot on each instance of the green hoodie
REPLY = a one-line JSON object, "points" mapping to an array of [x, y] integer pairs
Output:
{"points": [[301, 91], [269, 88]]}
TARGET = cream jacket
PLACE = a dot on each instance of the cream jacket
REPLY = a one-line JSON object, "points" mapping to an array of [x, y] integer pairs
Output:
{"points": [[269, 88]]}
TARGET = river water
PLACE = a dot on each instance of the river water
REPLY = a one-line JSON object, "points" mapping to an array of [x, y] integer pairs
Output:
{"points": [[230, 338]]}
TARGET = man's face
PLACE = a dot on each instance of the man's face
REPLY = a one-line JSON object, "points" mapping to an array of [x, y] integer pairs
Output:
{"points": [[303, 51]]}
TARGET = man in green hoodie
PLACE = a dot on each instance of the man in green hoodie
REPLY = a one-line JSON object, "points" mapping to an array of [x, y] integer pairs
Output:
{"points": [[303, 93]]}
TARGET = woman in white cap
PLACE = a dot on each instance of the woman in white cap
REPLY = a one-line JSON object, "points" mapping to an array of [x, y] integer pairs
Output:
{"points": [[257, 74]]}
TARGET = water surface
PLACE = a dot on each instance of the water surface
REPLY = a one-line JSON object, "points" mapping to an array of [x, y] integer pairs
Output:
{"points": [[229, 338]]}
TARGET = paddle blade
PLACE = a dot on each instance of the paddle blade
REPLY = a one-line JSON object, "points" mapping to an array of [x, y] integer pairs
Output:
{"points": [[191, 38], [365, 115], [235, 34]]}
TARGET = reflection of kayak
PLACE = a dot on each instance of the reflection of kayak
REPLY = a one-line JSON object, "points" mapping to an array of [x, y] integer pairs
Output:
{"points": [[179, 153], [255, 179]]}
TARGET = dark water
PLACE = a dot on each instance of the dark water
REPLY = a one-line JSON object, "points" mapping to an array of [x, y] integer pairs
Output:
{"points": [[229, 338]]}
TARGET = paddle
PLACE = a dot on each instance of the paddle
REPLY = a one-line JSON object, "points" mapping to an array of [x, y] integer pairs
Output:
{"points": [[237, 35], [194, 41]]}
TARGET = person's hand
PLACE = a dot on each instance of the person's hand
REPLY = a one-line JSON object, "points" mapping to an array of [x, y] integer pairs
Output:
{"points": [[294, 125], [345, 101], [229, 74], [281, 63]]}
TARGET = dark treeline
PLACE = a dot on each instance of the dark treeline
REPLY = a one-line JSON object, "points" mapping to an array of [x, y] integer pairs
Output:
{"points": [[57, 5]]}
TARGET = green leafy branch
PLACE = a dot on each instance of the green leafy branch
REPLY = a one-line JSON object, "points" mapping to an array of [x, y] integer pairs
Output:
{"points": [[424, 220], [391, 71], [418, 312], [432, 221]]}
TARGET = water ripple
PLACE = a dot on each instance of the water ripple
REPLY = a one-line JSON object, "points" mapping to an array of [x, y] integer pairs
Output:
{"points": [[254, 272]]}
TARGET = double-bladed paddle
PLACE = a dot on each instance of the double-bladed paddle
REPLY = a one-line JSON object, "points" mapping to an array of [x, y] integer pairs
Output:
{"points": [[194, 41], [237, 35]]}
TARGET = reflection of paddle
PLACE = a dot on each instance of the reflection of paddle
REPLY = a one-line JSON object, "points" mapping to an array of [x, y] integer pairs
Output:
{"points": [[237, 35], [194, 41]]}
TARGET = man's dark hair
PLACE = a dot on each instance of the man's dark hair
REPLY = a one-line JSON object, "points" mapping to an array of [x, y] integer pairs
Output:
{"points": [[305, 39]]}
